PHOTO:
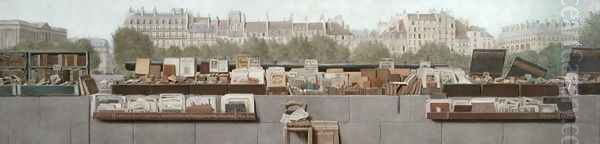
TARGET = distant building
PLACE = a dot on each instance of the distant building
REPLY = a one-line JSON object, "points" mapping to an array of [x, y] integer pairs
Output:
{"points": [[538, 35], [410, 31], [181, 29], [105, 52], [13, 32]]}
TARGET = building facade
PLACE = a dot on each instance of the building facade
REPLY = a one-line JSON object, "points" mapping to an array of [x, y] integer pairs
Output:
{"points": [[180, 28], [13, 32], [408, 32], [105, 52], [538, 35]]}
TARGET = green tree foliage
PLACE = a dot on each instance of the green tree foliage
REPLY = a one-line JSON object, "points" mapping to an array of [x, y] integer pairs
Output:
{"points": [[550, 58], [370, 52], [83, 45], [191, 51], [258, 47], [590, 36], [173, 51], [130, 44], [436, 54]]}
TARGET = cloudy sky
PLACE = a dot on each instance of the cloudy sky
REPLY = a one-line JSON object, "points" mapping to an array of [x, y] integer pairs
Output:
{"points": [[100, 18]]}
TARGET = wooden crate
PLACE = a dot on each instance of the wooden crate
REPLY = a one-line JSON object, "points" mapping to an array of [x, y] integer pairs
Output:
{"points": [[256, 89], [589, 88], [48, 90], [131, 89], [536, 90], [501, 116], [8, 90], [277, 91], [462, 90], [208, 89], [166, 88], [500, 90]]}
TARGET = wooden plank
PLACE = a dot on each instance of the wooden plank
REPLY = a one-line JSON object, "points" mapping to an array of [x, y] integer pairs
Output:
{"points": [[500, 116], [173, 116]]}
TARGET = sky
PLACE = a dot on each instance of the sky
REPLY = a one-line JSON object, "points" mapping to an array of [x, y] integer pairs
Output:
{"points": [[100, 18]]}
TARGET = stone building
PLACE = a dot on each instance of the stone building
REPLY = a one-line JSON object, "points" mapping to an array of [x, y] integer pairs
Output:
{"points": [[538, 35], [409, 31], [105, 52], [13, 32], [180, 28]]}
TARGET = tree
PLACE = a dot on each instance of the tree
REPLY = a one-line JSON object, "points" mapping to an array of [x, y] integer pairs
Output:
{"points": [[224, 48], [299, 49], [436, 54], [258, 47], [328, 50], [191, 51], [173, 51], [370, 52], [551, 58], [130, 44], [590, 36], [86, 45]]}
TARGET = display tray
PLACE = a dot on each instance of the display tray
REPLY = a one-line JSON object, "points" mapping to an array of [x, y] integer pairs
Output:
{"points": [[501, 116], [173, 116]]}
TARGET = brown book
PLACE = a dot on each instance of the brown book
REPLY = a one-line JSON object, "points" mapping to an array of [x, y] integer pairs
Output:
{"points": [[90, 84], [52, 59], [44, 60], [168, 70], [66, 75], [81, 60], [155, 70]]}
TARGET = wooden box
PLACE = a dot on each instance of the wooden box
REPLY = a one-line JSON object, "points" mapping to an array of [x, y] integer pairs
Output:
{"points": [[500, 90], [462, 90]]}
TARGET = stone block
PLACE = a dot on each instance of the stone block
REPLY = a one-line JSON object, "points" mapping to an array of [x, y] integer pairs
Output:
{"points": [[269, 108], [360, 133], [532, 133], [411, 133], [586, 133], [472, 133], [163, 133], [226, 133], [585, 109], [6, 107], [24, 121], [270, 133], [373, 109], [111, 132], [333, 108]]}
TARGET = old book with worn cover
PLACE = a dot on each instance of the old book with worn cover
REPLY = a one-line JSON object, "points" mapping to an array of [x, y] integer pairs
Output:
{"points": [[439, 105], [174, 62], [81, 60], [155, 70], [142, 66], [483, 104], [168, 70], [187, 67]]}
